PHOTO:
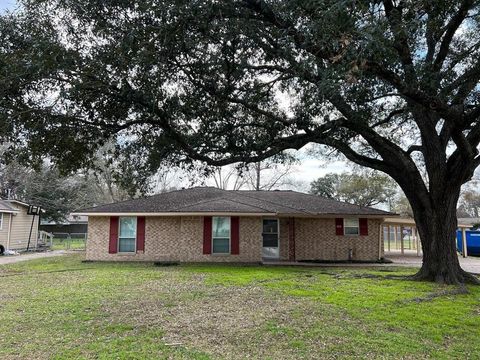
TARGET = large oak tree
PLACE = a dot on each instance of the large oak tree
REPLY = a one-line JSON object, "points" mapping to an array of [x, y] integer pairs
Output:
{"points": [[391, 85]]}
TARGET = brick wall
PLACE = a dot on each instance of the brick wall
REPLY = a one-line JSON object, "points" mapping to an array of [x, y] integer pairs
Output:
{"points": [[175, 239], [181, 239], [315, 239], [284, 238]]}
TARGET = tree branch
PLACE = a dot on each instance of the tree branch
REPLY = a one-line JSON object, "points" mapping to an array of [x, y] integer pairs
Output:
{"points": [[414, 148], [451, 29], [389, 117], [394, 17]]}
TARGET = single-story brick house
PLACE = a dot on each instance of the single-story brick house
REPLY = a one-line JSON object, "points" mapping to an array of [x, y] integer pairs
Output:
{"points": [[211, 225]]}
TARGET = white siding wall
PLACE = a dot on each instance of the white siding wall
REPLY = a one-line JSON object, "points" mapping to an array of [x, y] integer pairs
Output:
{"points": [[21, 223]]}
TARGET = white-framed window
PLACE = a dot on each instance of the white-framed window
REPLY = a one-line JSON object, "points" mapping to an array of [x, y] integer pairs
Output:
{"points": [[127, 234], [351, 226], [221, 235], [1, 221]]}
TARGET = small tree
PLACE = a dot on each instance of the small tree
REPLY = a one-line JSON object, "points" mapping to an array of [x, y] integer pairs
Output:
{"points": [[57, 195], [367, 189], [392, 85], [325, 186], [470, 202], [401, 206]]}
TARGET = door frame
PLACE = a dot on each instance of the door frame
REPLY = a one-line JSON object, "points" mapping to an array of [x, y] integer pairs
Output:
{"points": [[278, 237]]}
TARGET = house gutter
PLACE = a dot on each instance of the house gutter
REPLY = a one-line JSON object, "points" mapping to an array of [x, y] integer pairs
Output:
{"points": [[272, 214]]}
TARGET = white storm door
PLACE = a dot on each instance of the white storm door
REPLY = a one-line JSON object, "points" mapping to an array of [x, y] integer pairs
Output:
{"points": [[270, 238]]}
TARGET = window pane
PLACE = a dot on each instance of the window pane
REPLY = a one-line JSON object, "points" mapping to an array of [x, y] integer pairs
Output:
{"points": [[351, 231], [270, 240], [351, 222], [128, 227], [221, 227], [270, 226], [221, 246], [126, 245]]}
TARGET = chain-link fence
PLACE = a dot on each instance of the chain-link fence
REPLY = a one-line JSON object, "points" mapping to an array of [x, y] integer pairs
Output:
{"points": [[68, 241]]}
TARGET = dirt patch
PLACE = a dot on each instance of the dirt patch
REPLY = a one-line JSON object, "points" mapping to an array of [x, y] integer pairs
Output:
{"points": [[461, 290], [225, 321]]}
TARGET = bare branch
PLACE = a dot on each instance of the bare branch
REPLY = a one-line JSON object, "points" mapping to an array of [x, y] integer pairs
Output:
{"points": [[451, 29], [414, 148], [389, 117]]}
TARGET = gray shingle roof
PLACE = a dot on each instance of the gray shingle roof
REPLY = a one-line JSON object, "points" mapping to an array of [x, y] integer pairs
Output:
{"points": [[210, 200]]}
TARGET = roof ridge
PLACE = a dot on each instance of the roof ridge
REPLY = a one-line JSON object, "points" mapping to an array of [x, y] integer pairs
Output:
{"points": [[280, 204], [219, 198], [194, 203], [258, 207]]}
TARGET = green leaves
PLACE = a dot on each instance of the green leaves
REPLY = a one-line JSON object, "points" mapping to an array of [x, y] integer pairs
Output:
{"points": [[240, 81], [364, 189]]}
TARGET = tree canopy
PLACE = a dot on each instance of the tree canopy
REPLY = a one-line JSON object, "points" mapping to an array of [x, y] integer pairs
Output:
{"points": [[364, 189], [391, 85], [58, 196], [470, 200]]}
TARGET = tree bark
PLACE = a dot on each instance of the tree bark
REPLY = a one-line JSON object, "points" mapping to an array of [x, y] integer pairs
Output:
{"points": [[437, 227]]}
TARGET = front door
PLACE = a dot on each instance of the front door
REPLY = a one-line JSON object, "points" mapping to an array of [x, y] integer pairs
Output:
{"points": [[270, 247]]}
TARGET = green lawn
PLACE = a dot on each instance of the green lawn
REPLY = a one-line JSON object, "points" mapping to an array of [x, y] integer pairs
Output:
{"points": [[68, 244], [62, 308]]}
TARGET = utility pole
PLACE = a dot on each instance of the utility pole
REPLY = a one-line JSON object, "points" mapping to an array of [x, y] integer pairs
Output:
{"points": [[258, 171]]}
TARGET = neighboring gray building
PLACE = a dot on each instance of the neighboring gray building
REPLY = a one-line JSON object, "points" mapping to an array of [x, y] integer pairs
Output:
{"points": [[73, 224]]}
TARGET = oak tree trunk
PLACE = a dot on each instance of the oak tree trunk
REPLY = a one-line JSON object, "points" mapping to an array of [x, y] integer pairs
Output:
{"points": [[437, 228]]}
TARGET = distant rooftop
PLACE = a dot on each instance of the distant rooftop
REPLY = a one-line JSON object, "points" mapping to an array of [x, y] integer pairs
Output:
{"points": [[469, 221]]}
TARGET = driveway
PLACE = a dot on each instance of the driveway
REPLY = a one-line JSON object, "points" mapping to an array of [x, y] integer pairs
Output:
{"points": [[11, 259], [470, 264]]}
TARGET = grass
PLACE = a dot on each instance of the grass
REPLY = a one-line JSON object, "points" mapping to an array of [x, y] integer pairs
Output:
{"points": [[65, 244], [62, 308]]}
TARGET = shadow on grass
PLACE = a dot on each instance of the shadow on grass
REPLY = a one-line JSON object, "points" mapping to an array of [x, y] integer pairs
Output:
{"points": [[43, 272]]}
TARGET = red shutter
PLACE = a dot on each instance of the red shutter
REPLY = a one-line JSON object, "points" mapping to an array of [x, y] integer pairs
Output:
{"points": [[112, 246], [363, 223], [141, 233], [339, 226], [235, 243], [207, 235]]}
